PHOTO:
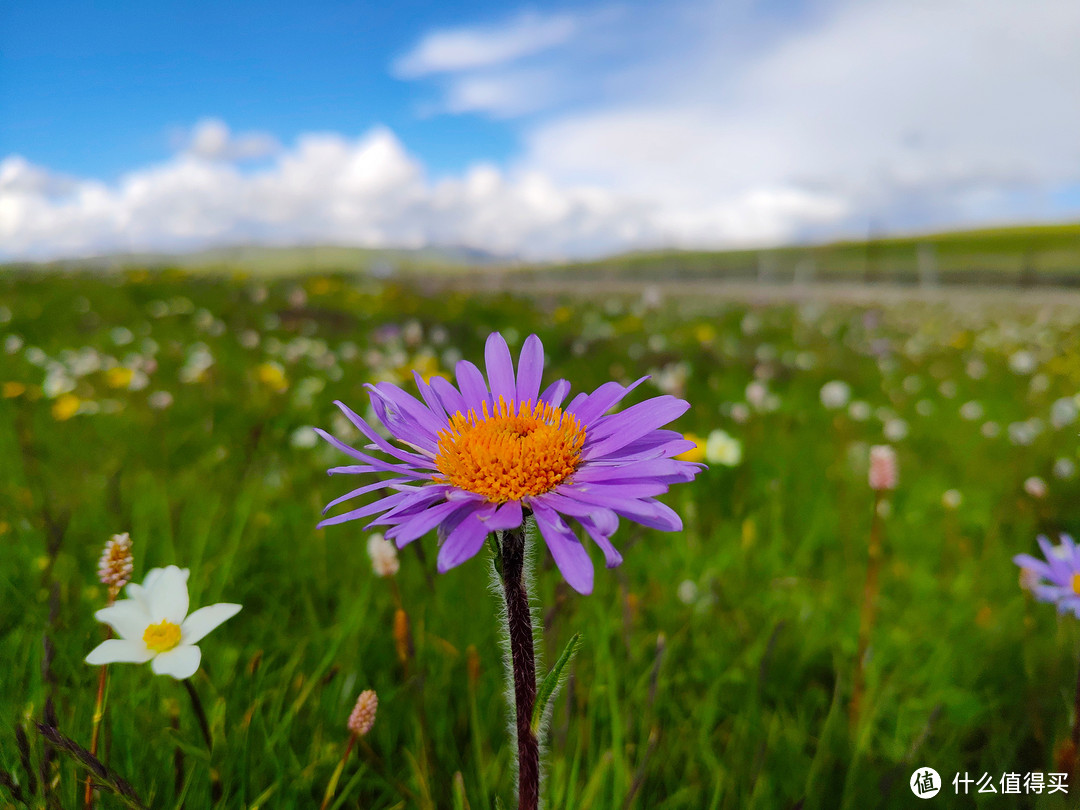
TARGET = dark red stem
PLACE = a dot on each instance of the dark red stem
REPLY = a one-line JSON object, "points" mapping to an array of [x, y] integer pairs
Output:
{"points": [[523, 660]]}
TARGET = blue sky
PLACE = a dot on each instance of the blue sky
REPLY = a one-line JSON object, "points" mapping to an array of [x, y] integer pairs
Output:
{"points": [[541, 130], [99, 88]]}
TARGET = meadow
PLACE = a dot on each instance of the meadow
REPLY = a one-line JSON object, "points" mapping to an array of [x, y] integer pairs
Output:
{"points": [[717, 664]]}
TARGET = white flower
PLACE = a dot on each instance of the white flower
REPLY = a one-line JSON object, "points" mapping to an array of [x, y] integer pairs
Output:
{"points": [[756, 393], [304, 437], [1063, 412], [1022, 362], [154, 625], [951, 499], [859, 410], [835, 394], [1064, 468], [720, 448], [895, 430], [687, 592], [1035, 487], [971, 410]]}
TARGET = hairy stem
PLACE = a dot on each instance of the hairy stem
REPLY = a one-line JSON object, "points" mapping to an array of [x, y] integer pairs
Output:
{"points": [[523, 662]]}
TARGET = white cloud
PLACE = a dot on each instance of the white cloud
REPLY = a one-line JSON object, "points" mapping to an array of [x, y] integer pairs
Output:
{"points": [[888, 114], [212, 139], [326, 189], [470, 47], [697, 124]]}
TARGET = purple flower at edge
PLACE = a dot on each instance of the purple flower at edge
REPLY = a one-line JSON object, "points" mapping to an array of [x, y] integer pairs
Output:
{"points": [[480, 456], [1057, 579]]}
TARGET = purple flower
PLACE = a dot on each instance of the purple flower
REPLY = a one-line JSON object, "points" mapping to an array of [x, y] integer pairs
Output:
{"points": [[1057, 579], [481, 456]]}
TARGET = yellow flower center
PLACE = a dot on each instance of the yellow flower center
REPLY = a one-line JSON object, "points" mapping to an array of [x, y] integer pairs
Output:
{"points": [[1076, 584], [162, 637], [506, 455]]}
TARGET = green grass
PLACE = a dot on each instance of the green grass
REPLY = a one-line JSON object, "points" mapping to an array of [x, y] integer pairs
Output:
{"points": [[728, 692], [1046, 254], [1011, 255]]}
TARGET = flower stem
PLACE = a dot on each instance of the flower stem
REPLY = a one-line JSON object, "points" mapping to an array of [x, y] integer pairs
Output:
{"points": [[869, 608], [330, 788], [1076, 715], [523, 662], [99, 710], [200, 715], [99, 714]]}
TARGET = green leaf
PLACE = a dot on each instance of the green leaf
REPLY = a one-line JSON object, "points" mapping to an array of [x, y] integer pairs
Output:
{"points": [[461, 801], [498, 803], [552, 681]]}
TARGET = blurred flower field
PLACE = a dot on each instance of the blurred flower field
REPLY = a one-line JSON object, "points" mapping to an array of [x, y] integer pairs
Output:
{"points": [[717, 664]]}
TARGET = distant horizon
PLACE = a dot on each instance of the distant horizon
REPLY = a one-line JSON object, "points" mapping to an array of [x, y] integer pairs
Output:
{"points": [[1001, 231]]}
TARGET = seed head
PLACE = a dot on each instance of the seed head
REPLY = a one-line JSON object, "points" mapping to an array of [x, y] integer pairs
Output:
{"points": [[116, 564], [883, 473], [363, 714], [384, 557], [402, 636]]}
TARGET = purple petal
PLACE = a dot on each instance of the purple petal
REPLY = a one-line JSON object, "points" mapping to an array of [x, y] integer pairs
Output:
{"points": [[1036, 565], [507, 516], [417, 419], [1060, 568], [500, 370], [420, 524], [466, 508], [635, 489], [638, 469], [570, 556], [387, 484], [600, 522], [421, 498], [555, 393], [473, 388], [397, 469], [373, 507], [530, 369], [604, 399], [647, 512], [431, 400], [449, 396], [612, 557], [372, 464], [382, 444], [466, 539], [633, 423]]}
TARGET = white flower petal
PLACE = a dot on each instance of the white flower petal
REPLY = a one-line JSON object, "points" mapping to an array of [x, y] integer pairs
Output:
{"points": [[203, 620], [128, 617], [180, 662], [119, 651], [168, 596]]}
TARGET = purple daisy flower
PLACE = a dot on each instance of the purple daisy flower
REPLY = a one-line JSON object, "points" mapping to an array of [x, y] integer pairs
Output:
{"points": [[481, 456], [1057, 579]]}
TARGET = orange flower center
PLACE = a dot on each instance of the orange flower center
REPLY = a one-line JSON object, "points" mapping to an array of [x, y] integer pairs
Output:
{"points": [[506, 455], [162, 637], [1076, 584]]}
